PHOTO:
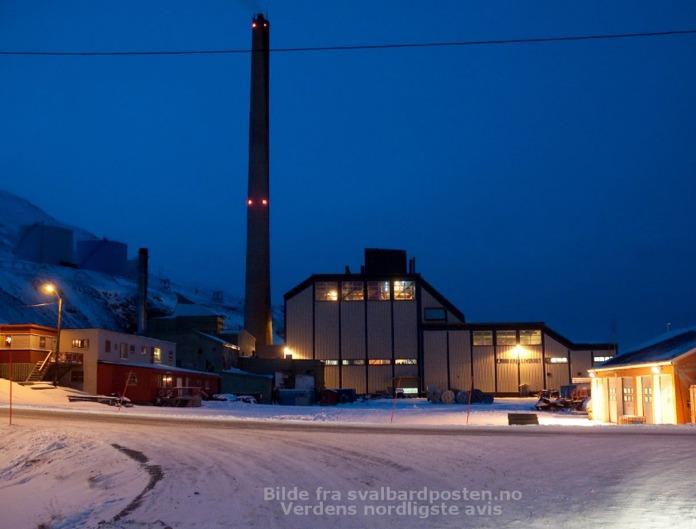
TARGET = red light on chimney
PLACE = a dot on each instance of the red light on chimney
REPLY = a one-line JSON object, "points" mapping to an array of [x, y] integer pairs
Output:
{"points": [[264, 202], [250, 202]]}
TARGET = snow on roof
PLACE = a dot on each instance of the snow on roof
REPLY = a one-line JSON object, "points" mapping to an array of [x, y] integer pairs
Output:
{"points": [[217, 339], [160, 367], [664, 348], [237, 371]]}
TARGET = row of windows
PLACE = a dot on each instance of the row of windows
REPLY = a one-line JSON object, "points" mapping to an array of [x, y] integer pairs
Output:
{"points": [[8, 341], [125, 350], [372, 362], [355, 290], [527, 337], [80, 343]]}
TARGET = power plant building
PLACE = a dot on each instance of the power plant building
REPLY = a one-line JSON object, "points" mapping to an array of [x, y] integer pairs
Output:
{"points": [[387, 322]]}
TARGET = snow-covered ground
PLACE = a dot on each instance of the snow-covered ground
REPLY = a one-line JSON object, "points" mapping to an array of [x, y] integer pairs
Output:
{"points": [[376, 412], [66, 473]]}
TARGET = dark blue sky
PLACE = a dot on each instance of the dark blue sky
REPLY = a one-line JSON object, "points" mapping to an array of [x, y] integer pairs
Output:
{"points": [[547, 182]]}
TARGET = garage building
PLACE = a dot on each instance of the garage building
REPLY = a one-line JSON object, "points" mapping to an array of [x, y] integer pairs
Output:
{"points": [[387, 321]]}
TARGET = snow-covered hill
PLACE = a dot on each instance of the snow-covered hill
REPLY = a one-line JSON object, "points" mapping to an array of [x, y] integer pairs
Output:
{"points": [[92, 299]]}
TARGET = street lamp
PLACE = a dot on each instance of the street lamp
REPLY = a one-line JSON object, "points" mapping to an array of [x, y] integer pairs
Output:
{"points": [[52, 290]]}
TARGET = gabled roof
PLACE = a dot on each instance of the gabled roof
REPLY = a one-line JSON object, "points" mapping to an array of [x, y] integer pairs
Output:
{"points": [[665, 348]]}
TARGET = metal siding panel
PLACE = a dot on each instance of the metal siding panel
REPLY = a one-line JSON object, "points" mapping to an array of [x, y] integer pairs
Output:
{"points": [[556, 374], [460, 360], [531, 368], [507, 369], [484, 368], [405, 329], [379, 329], [331, 376], [353, 330], [406, 370], [580, 362], [379, 378], [435, 358], [354, 377], [326, 331], [299, 323]]}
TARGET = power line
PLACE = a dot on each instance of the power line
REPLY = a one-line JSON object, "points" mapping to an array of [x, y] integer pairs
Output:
{"points": [[349, 47]]}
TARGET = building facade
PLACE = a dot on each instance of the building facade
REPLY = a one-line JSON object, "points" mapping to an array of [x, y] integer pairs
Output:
{"points": [[387, 322], [655, 384]]}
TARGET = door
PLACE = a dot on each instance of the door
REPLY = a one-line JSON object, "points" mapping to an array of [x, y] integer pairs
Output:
{"points": [[647, 398], [629, 404]]}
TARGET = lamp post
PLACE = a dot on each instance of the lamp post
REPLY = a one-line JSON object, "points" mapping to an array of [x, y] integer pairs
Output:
{"points": [[52, 289]]}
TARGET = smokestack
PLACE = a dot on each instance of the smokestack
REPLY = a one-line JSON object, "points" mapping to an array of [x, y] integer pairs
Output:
{"points": [[141, 308], [257, 295]]}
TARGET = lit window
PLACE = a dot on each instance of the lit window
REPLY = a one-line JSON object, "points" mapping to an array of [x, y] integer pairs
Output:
{"points": [[326, 291], [406, 361], [600, 359], [352, 291], [404, 290], [330, 362], [378, 290], [557, 360], [379, 362], [434, 314], [483, 337], [157, 355], [530, 337], [80, 343], [506, 338], [8, 341], [353, 362]]}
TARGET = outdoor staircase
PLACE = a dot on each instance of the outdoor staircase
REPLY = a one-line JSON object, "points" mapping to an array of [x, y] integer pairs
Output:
{"points": [[38, 372]]}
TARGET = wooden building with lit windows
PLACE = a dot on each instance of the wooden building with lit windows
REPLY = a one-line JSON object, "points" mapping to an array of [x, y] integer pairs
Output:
{"points": [[653, 384], [387, 322]]}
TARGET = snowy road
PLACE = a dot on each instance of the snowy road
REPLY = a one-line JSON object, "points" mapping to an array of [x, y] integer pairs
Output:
{"points": [[215, 477]]}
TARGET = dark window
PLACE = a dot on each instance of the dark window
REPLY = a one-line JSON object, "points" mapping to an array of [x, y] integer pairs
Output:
{"points": [[352, 291], [378, 291], [42, 342], [107, 346], [434, 314]]}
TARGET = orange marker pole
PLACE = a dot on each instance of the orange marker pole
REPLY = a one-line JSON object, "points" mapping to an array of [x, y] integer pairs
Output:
{"points": [[10, 388]]}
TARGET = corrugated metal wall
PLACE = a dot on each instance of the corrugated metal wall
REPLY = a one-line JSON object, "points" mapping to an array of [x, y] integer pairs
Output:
{"points": [[429, 301], [353, 330], [435, 359], [531, 367], [460, 360], [484, 368], [405, 329], [379, 329], [299, 323], [326, 330], [331, 376], [580, 362], [507, 368], [380, 378], [556, 374], [354, 377]]}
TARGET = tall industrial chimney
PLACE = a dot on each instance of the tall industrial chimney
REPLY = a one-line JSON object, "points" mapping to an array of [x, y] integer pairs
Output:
{"points": [[257, 296], [141, 308]]}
